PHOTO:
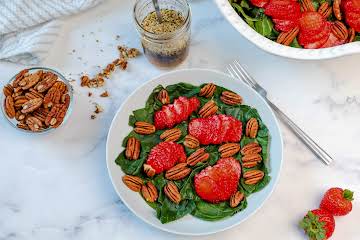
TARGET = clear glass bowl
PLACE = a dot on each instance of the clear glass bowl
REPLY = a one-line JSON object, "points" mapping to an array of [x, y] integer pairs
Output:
{"points": [[13, 122]]}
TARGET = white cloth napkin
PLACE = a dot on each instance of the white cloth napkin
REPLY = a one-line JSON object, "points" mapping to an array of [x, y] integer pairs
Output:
{"points": [[29, 27]]}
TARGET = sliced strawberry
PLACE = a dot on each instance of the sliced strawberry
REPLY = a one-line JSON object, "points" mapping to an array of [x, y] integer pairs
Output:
{"points": [[317, 44], [311, 23], [186, 105], [165, 155], [160, 120], [285, 25], [194, 104], [170, 115], [179, 109], [353, 20], [350, 6], [210, 130], [259, 3], [332, 41], [306, 39], [283, 9], [217, 183]]}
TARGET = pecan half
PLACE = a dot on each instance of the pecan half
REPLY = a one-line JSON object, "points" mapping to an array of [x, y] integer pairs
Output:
{"points": [[48, 80], [20, 97], [351, 33], [133, 182], [236, 198], [31, 105], [229, 149], [336, 9], [8, 90], [22, 126], [230, 98], [179, 171], [149, 192], [251, 148], [9, 107], [41, 114], [191, 142], [53, 96], [132, 148], [19, 116], [20, 76], [33, 94], [144, 128], [57, 114], [250, 164], [208, 90], [253, 176], [252, 127], [30, 80], [34, 124], [286, 38], [163, 96], [171, 135], [20, 101], [252, 157], [198, 156], [306, 5], [325, 10], [172, 192], [209, 109], [339, 30], [149, 170]]}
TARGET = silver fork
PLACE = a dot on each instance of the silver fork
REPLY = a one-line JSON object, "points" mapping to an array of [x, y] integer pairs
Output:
{"points": [[238, 71]]}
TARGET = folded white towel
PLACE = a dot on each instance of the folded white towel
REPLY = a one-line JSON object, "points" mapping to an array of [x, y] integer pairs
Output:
{"points": [[28, 27]]}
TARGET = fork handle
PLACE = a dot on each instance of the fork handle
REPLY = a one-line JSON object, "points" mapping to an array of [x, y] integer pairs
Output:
{"points": [[316, 149]]}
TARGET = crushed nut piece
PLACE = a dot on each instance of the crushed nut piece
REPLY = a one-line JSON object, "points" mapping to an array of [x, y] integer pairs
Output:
{"points": [[104, 94], [98, 109], [93, 116], [89, 94]]}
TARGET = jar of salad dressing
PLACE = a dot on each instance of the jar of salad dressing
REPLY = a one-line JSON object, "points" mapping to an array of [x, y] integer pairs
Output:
{"points": [[165, 44]]}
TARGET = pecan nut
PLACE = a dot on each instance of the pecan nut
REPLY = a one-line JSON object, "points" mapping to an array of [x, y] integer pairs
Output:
{"points": [[307, 6], [33, 94], [53, 96], [191, 142], [208, 90], [163, 96], [34, 124], [253, 176], [149, 192], [286, 38], [171, 135], [132, 148], [19, 116], [236, 198], [41, 114], [336, 9], [57, 114], [144, 128], [351, 33], [252, 127], [48, 80], [30, 80], [31, 105], [210, 108], [179, 171], [198, 156], [149, 170], [251, 148], [134, 183], [8, 90], [9, 107], [23, 126], [19, 77], [252, 157], [325, 10], [339, 30], [230, 98], [172, 192], [229, 149]]}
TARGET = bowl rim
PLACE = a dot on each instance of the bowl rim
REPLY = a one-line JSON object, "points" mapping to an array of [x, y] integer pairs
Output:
{"points": [[280, 50], [274, 179], [68, 113]]}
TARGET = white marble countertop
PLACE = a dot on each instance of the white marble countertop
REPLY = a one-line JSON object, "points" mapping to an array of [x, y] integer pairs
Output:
{"points": [[56, 186]]}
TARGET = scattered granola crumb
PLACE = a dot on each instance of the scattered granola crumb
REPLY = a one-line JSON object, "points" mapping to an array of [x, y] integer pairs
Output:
{"points": [[98, 109], [90, 94], [93, 116], [105, 94]]}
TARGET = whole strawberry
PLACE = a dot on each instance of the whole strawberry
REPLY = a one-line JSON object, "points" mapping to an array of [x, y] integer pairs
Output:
{"points": [[318, 224], [337, 201]]}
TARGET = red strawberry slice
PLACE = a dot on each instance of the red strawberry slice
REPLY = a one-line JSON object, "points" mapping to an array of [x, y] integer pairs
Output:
{"points": [[285, 25], [305, 38], [332, 41], [172, 114], [317, 44], [351, 6], [217, 183], [353, 20], [259, 3], [311, 23], [283, 9], [226, 129], [165, 155]]}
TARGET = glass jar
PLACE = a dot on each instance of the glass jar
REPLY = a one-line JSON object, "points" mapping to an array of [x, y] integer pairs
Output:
{"points": [[166, 49]]}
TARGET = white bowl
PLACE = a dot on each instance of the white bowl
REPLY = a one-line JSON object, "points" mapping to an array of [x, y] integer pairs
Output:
{"points": [[190, 225], [277, 49]]}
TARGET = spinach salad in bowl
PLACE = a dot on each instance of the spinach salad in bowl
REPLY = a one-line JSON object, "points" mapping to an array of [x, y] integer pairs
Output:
{"points": [[195, 150]]}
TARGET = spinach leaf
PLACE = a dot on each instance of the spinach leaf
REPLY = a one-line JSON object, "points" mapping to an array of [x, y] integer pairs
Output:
{"points": [[170, 211], [264, 26], [242, 12], [295, 44]]}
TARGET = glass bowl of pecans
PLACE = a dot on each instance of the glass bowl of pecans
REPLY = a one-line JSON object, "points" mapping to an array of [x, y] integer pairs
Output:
{"points": [[37, 100]]}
